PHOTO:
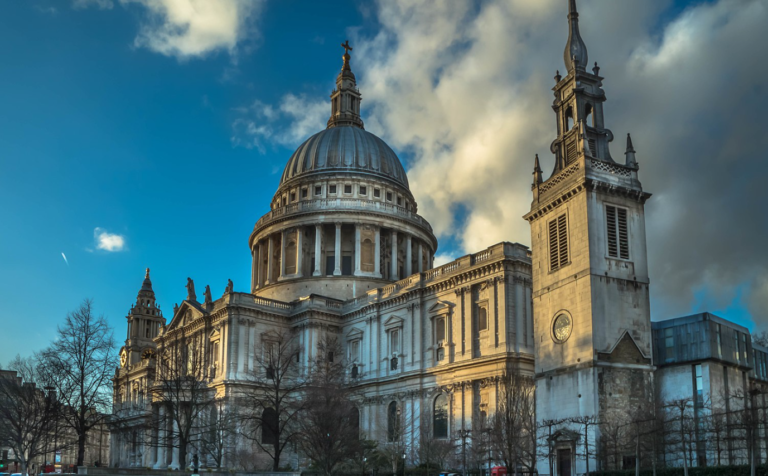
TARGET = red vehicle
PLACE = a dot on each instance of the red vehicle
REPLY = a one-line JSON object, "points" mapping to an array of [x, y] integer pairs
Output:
{"points": [[48, 468], [499, 471]]}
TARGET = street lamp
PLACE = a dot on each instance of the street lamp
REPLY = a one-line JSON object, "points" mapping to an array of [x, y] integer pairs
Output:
{"points": [[403, 463]]}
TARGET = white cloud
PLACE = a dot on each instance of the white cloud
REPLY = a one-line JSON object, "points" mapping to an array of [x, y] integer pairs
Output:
{"points": [[442, 258], [194, 28], [289, 123], [107, 241], [463, 88]]}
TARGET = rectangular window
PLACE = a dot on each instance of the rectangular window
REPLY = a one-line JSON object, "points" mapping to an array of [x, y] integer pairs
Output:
{"points": [[389, 196], [618, 232], [330, 264], [439, 329], [669, 343], [736, 346], [304, 193], [363, 190], [698, 391], [399, 200], [394, 341], [558, 243], [346, 265], [318, 190], [332, 189], [347, 188], [354, 350], [482, 318], [377, 193], [744, 353], [293, 197]]}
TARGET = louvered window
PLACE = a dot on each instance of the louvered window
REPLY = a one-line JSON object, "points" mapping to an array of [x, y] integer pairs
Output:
{"points": [[570, 151], [558, 243], [618, 232], [593, 147]]}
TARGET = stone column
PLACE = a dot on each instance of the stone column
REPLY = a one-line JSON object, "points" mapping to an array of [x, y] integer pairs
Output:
{"points": [[420, 256], [408, 256], [337, 256], [160, 438], [262, 270], [175, 464], [377, 254], [270, 260], [255, 268], [299, 252], [358, 249], [318, 249], [283, 237], [393, 265]]}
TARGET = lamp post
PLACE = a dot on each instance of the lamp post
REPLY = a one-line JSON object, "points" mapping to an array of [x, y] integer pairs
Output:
{"points": [[403, 463]]}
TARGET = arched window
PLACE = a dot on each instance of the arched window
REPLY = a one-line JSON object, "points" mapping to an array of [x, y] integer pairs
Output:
{"points": [[354, 419], [367, 254], [589, 118], [270, 426], [393, 422], [440, 417], [568, 119]]}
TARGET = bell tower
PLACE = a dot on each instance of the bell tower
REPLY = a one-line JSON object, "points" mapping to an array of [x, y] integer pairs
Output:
{"points": [[144, 321], [590, 274], [345, 99]]}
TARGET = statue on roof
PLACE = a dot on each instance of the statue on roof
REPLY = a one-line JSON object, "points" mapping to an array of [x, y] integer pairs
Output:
{"points": [[230, 287], [191, 296], [207, 294]]}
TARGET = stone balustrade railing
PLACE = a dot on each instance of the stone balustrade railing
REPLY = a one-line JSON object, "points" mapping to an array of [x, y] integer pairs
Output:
{"points": [[342, 204]]}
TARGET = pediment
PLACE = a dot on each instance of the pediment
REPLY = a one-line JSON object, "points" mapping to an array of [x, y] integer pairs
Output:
{"points": [[355, 333], [185, 314], [393, 321], [216, 334], [440, 307], [625, 350]]}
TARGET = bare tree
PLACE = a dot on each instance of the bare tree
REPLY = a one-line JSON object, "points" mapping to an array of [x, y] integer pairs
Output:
{"points": [[584, 424], [80, 364], [545, 447], [28, 414], [221, 429], [433, 452], [330, 423], [680, 418], [274, 399], [513, 426], [396, 429], [614, 429], [181, 387]]}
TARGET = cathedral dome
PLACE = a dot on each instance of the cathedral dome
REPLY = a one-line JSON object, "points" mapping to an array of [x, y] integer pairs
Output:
{"points": [[345, 149]]}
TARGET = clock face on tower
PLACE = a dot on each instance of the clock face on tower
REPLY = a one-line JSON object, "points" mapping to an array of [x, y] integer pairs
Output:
{"points": [[123, 358], [561, 328]]}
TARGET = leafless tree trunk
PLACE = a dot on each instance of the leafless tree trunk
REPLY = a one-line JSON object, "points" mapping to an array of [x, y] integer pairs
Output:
{"points": [[274, 399], [432, 452], [330, 424], [220, 429], [80, 364], [513, 425], [680, 413], [181, 386], [28, 413], [585, 423]]}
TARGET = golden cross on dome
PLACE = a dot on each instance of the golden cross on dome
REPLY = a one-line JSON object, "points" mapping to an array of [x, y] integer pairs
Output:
{"points": [[346, 47]]}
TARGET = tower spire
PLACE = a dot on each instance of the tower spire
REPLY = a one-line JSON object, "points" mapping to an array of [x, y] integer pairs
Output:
{"points": [[575, 55], [345, 99], [630, 153], [537, 178]]}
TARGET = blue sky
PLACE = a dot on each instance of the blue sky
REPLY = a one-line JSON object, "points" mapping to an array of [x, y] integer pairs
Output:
{"points": [[101, 133]]}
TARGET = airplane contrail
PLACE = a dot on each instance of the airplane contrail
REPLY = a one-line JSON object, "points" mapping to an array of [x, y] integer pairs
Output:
{"points": [[65, 258]]}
